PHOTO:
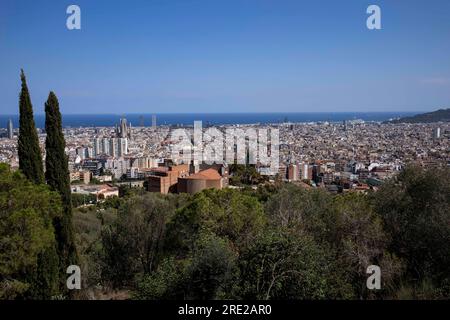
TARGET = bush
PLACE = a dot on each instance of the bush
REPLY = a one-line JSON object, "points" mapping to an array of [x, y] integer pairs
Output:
{"points": [[133, 243], [28, 258], [415, 208]]}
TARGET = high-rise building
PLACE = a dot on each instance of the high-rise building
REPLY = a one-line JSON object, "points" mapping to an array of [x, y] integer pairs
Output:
{"points": [[153, 121], [105, 146], [10, 129], [97, 147], [113, 147], [122, 147], [123, 128], [129, 136], [89, 152], [81, 152], [118, 147], [437, 133]]}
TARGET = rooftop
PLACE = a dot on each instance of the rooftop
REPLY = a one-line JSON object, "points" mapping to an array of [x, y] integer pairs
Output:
{"points": [[208, 174]]}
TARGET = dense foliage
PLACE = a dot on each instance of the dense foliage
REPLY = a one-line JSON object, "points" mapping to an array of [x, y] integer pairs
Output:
{"points": [[37, 240], [57, 177], [30, 158], [415, 208], [283, 242], [28, 257], [241, 175]]}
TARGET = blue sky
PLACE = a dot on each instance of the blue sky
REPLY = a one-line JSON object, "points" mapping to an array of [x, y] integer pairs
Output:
{"points": [[227, 56]]}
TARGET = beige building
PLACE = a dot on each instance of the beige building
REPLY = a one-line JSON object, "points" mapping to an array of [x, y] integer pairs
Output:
{"points": [[206, 179], [165, 179]]}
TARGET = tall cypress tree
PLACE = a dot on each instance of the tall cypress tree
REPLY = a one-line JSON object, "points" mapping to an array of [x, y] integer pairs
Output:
{"points": [[30, 158], [57, 177]]}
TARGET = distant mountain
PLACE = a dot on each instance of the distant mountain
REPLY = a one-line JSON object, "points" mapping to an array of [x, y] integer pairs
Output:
{"points": [[435, 116]]}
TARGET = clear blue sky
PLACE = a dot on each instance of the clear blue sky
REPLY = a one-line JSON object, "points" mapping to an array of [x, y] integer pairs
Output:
{"points": [[227, 56]]}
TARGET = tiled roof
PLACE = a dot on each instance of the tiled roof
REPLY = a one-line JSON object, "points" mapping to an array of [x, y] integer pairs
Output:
{"points": [[208, 174]]}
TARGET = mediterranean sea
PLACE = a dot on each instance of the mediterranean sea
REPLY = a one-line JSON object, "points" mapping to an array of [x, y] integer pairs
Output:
{"points": [[102, 120]]}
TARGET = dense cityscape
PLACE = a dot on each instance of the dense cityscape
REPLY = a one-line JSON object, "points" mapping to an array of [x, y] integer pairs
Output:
{"points": [[350, 156], [224, 158], [125, 190]]}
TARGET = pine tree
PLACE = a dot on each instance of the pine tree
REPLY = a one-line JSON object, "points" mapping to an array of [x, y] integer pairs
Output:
{"points": [[57, 177], [29, 264], [30, 158]]}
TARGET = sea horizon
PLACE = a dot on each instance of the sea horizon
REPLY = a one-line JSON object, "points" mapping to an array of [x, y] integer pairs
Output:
{"points": [[211, 118]]}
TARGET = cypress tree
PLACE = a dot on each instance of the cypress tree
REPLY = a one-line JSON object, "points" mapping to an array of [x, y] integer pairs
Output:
{"points": [[30, 158], [57, 177]]}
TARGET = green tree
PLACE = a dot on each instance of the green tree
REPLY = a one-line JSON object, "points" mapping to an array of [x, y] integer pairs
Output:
{"points": [[415, 208], [166, 282], [133, 244], [208, 273], [284, 265], [296, 207], [227, 213], [212, 268], [346, 227], [355, 233], [57, 177], [30, 158], [28, 258], [245, 175], [79, 200]]}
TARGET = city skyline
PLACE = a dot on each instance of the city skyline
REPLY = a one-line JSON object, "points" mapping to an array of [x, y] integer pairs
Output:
{"points": [[229, 151], [187, 119], [250, 57]]}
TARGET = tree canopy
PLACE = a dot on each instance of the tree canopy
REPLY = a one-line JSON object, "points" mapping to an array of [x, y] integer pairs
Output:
{"points": [[28, 260]]}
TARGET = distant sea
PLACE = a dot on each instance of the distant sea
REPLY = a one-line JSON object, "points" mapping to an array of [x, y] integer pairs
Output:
{"points": [[103, 120]]}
